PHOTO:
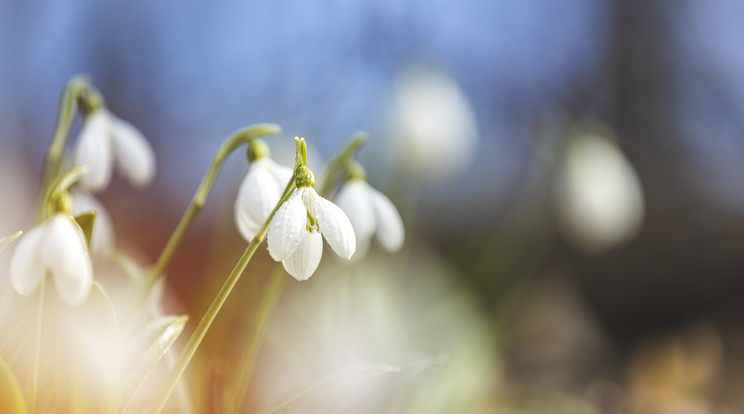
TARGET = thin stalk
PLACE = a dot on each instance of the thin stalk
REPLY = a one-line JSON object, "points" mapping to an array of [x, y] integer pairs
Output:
{"points": [[216, 305], [271, 294], [5, 241], [335, 165], [338, 163], [68, 108], [248, 360], [37, 347], [237, 139], [76, 392]]}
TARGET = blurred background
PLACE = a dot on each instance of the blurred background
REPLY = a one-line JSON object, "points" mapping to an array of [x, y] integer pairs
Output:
{"points": [[570, 175]]}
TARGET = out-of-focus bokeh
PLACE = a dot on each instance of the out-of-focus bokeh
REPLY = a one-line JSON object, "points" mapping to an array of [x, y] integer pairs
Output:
{"points": [[569, 174]]}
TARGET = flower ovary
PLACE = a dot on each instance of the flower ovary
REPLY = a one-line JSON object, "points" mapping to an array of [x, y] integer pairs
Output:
{"points": [[304, 177]]}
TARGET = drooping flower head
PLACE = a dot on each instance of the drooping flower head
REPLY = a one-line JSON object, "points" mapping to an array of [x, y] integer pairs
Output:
{"points": [[294, 236], [432, 120], [57, 247], [260, 191], [370, 212], [599, 199], [104, 138]]}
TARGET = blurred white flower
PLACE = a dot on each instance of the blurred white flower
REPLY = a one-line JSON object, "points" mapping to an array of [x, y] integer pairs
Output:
{"points": [[258, 194], [599, 198], [56, 246], [432, 123], [105, 137], [102, 239], [294, 233], [370, 213]]}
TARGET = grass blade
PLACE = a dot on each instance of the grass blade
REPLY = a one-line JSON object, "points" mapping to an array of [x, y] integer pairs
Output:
{"points": [[333, 382]]}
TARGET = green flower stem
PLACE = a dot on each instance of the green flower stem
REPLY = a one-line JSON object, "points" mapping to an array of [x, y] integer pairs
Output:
{"points": [[239, 138], [37, 348], [216, 305], [68, 107], [248, 358], [334, 167], [5, 241], [338, 163], [271, 294]]}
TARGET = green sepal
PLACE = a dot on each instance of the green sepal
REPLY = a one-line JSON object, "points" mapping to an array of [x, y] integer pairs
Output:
{"points": [[86, 221]]}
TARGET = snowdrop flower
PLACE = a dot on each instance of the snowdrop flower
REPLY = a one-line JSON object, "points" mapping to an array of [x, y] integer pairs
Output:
{"points": [[599, 199], [105, 138], [294, 233], [102, 239], [57, 246], [370, 213], [432, 122], [260, 190]]}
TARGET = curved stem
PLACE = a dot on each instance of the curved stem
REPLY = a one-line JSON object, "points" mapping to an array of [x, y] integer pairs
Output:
{"points": [[248, 359], [68, 107], [271, 294], [337, 163], [237, 139], [5, 241], [216, 305], [333, 168]]}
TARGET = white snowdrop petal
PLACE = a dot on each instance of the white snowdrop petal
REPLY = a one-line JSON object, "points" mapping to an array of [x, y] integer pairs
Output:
{"points": [[257, 196], [93, 148], [354, 199], [26, 267], [305, 259], [390, 231], [134, 155], [102, 239], [433, 122], [65, 255], [246, 226], [336, 227], [281, 173], [287, 228]]}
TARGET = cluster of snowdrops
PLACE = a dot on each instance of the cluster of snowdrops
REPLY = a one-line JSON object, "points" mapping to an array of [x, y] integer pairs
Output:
{"points": [[73, 236]]}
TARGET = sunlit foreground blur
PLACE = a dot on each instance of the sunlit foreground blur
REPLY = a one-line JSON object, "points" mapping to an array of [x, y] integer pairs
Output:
{"points": [[381, 327]]}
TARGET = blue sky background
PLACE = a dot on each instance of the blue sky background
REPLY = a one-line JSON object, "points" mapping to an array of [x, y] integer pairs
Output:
{"points": [[189, 74]]}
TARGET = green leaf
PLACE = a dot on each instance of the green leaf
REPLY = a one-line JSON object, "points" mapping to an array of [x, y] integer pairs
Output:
{"points": [[168, 329], [11, 397], [86, 221], [149, 348], [336, 381]]}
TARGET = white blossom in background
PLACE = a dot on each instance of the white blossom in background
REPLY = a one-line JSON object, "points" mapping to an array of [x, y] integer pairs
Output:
{"points": [[258, 194], [294, 234], [105, 138], [599, 198], [102, 239], [432, 123], [57, 246], [371, 213]]}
